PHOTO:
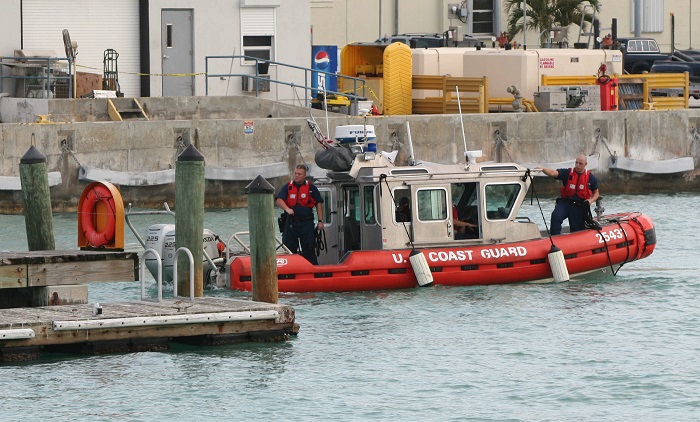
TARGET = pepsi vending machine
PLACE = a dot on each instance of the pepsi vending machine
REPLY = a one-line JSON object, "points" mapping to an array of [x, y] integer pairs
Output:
{"points": [[324, 59]]}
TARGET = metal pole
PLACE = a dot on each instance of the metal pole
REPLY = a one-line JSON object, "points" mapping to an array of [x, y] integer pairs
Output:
{"points": [[396, 17], [380, 19], [524, 24], [637, 18]]}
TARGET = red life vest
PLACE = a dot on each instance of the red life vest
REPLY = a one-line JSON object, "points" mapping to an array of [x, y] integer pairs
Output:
{"points": [[577, 185], [301, 195]]}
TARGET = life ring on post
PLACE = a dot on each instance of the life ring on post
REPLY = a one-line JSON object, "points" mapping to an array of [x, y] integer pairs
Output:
{"points": [[100, 217]]}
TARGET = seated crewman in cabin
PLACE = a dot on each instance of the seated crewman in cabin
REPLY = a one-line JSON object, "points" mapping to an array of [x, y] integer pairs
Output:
{"points": [[403, 210], [463, 229]]}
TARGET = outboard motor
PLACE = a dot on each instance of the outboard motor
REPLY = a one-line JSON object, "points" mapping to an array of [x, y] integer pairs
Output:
{"points": [[161, 238]]}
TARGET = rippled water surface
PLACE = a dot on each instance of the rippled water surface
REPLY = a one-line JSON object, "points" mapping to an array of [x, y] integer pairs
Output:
{"points": [[599, 349]]}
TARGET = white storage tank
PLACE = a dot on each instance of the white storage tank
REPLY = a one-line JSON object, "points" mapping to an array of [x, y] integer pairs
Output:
{"points": [[522, 68]]}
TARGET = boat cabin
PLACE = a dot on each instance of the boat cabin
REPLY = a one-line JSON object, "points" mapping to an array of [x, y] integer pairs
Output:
{"points": [[378, 206]]}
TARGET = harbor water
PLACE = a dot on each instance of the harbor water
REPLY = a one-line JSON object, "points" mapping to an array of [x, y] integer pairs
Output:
{"points": [[600, 348]]}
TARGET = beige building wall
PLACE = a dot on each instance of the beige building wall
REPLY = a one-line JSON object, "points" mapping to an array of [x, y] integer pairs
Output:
{"points": [[339, 22], [687, 25]]}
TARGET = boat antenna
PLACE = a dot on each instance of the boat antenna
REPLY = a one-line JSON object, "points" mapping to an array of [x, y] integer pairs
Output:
{"points": [[411, 157], [325, 104], [461, 122]]}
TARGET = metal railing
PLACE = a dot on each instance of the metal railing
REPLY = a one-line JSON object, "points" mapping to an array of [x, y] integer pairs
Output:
{"points": [[38, 77], [310, 92]]}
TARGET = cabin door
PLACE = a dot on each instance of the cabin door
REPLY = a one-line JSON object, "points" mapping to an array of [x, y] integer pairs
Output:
{"points": [[350, 215], [330, 253], [432, 218]]}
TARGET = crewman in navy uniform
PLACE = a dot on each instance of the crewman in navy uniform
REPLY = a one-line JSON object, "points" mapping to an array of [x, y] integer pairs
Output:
{"points": [[298, 198], [578, 192]]}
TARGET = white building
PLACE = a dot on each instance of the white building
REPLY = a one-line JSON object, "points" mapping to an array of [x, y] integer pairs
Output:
{"points": [[163, 44]]}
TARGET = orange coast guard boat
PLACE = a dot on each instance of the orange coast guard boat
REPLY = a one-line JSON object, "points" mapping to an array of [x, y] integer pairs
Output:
{"points": [[397, 227]]}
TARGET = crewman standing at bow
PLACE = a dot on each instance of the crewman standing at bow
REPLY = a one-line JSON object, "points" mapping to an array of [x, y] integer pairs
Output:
{"points": [[298, 199], [578, 192]]}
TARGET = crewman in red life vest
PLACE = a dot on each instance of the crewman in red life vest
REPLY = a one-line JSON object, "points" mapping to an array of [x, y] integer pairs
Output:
{"points": [[298, 198], [579, 190]]}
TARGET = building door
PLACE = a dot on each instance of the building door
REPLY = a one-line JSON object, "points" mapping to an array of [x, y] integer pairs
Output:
{"points": [[176, 48]]}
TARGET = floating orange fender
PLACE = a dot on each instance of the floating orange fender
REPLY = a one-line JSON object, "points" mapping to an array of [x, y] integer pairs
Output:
{"points": [[101, 217]]}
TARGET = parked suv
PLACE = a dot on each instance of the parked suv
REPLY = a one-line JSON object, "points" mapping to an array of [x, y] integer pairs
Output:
{"points": [[693, 69]]}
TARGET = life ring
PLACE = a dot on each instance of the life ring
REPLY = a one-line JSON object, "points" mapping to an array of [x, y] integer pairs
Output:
{"points": [[88, 210]]}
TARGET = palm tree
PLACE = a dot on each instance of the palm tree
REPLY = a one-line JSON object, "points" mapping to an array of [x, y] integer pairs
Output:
{"points": [[548, 14]]}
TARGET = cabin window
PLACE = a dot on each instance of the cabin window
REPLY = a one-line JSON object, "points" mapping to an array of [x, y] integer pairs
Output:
{"points": [[370, 214], [432, 204], [402, 205], [351, 218], [500, 200], [327, 205]]}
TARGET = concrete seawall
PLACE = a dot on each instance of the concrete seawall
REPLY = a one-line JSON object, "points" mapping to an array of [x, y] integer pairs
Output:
{"points": [[263, 133]]}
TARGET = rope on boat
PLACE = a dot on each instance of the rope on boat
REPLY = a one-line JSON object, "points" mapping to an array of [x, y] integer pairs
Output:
{"points": [[320, 241], [396, 206], [419, 264], [557, 261]]}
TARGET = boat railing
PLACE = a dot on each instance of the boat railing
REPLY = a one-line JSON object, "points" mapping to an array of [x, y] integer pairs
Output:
{"points": [[246, 246], [130, 212]]}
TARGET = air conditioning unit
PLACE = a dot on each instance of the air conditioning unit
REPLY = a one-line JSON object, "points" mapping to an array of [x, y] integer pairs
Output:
{"points": [[263, 83]]}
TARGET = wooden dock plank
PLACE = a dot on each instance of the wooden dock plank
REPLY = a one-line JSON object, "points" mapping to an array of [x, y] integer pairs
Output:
{"points": [[12, 276], [64, 267]]}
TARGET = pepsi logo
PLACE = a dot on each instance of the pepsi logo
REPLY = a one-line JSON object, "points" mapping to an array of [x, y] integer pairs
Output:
{"points": [[322, 60]]}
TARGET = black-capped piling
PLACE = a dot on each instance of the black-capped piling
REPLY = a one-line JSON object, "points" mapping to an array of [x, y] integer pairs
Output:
{"points": [[263, 257], [38, 218], [189, 218]]}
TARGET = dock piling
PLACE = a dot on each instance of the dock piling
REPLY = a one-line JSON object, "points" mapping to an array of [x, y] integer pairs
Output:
{"points": [[38, 219], [189, 216], [263, 254]]}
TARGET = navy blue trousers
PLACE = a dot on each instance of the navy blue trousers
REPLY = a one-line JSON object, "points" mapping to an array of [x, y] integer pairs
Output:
{"points": [[301, 233], [565, 209]]}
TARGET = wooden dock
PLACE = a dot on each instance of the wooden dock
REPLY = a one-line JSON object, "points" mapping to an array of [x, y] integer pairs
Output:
{"points": [[40, 278], [43, 308], [139, 326]]}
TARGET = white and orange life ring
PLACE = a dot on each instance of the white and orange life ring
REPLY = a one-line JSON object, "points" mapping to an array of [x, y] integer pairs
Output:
{"points": [[100, 207]]}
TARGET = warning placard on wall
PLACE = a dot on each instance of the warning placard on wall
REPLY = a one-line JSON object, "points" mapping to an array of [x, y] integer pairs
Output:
{"points": [[546, 62], [248, 127]]}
